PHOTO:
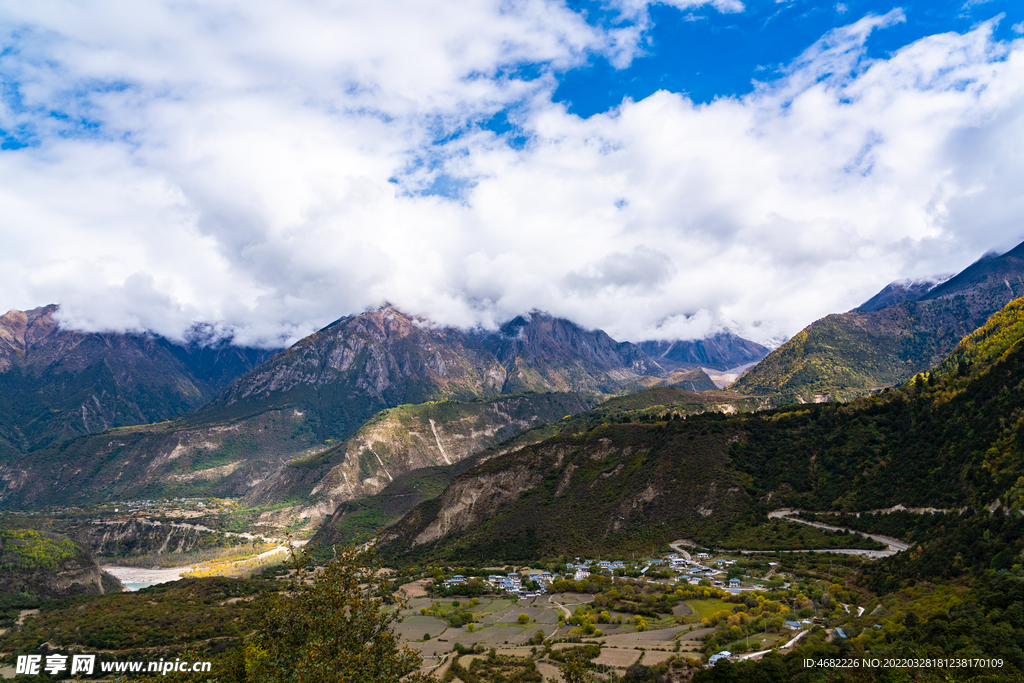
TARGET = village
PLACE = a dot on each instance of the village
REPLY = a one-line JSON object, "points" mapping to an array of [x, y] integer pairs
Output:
{"points": [[535, 583], [639, 614]]}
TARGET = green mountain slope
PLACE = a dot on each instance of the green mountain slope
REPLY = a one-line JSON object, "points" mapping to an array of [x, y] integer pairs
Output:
{"points": [[272, 460], [946, 441], [843, 356], [692, 380]]}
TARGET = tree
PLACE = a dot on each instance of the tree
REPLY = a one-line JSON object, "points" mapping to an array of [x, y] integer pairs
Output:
{"points": [[332, 629], [524, 618], [637, 672], [576, 669]]}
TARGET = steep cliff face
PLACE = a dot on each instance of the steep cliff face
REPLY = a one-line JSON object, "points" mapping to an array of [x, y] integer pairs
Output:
{"points": [[57, 384], [46, 564], [469, 501], [140, 536]]}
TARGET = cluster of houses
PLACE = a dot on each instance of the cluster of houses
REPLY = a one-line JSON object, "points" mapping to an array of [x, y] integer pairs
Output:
{"points": [[697, 571], [513, 582], [457, 580]]}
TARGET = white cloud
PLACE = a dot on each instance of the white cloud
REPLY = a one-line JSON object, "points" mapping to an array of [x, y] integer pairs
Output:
{"points": [[264, 169]]}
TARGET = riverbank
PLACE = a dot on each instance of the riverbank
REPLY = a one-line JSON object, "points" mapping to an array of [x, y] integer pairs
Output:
{"points": [[136, 578]]}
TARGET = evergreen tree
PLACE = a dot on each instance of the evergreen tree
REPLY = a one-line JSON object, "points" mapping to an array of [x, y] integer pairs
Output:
{"points": [[331, 629]]}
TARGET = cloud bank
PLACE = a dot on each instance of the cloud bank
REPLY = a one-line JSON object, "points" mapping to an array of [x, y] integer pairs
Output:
{"points": [[269, 169]]}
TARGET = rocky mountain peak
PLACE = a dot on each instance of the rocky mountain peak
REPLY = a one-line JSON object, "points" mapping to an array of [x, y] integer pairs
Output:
{"points": [[901, 290], [542, 338], [19, 330], [721, 351]]}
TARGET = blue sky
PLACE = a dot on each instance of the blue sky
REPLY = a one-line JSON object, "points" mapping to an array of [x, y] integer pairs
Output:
{"points": [[705, 53], [660, 170]]}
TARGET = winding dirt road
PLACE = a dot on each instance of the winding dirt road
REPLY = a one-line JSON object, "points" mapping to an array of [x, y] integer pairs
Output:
{"points": [[895, 545]]}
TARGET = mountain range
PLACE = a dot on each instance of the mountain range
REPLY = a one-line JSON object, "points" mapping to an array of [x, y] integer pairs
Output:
{"points": [[542, 440], [351, 409], [904, 330], [336, 416], [720, 351]]}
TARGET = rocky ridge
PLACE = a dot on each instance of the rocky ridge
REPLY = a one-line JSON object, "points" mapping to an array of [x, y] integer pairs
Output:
{"points": [[274, 457]]}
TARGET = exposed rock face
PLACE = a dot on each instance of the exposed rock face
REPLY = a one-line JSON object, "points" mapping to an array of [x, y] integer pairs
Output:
{"points": [[384, 354], [385, 358], [139, 536], [541, 353], [57, 384], [469, 501], [48, 564]]}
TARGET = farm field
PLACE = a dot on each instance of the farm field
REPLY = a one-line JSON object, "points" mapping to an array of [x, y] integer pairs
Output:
{"points": [[700, 609], [497, 625]]}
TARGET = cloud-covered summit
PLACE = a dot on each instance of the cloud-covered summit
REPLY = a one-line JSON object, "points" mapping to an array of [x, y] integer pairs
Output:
{"points": [[266, 169]]}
